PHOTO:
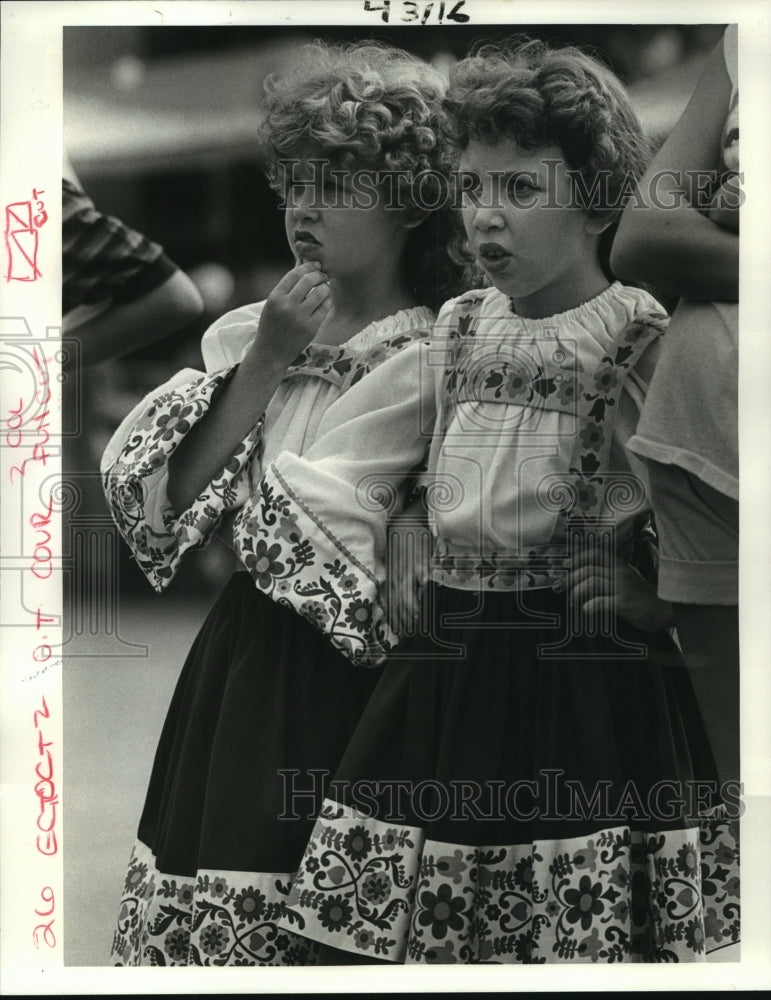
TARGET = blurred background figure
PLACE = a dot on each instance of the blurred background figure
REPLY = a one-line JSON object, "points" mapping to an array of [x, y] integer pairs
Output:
{"points": [[119, 290]]}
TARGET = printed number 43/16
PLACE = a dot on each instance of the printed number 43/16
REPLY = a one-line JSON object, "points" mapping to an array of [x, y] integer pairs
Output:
{"points": [[413, 11]]}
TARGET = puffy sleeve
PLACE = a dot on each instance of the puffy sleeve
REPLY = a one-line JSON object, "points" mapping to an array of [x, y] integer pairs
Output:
{"points": [[135, 470], [314, 535]]}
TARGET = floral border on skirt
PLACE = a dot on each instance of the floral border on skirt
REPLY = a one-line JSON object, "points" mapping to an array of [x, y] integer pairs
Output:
{"points": [[214, 918], [617, 895]]}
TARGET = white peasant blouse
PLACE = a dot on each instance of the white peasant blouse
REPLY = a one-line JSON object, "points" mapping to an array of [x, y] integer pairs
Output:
{"points": [[311, 398], [529, 422]]}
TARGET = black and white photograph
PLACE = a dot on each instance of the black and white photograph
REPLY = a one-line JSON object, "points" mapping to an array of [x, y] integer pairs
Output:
{"points": [[373, 413]]}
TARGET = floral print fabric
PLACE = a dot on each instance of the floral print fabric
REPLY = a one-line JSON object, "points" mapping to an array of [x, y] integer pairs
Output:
{"points": [[283, 546], [617, 895], [134, 484], [313, 534], [343, 367], [214, 918]]}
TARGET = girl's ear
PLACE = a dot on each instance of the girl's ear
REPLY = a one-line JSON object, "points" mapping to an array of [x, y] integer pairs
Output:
{"points": [[596, 224]]}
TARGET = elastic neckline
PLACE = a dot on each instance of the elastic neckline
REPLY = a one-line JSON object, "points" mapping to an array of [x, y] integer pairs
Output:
{"points": [[589, 308], [381, 329]]}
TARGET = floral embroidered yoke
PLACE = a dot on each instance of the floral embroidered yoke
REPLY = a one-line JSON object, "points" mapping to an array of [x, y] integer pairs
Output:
{"points": [[529, 443], [533, 428], [307, 404]]}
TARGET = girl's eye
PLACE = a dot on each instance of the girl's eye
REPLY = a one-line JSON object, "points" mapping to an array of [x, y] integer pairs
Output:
{"points": [[336, 183], [469, 182], [523, 183]]}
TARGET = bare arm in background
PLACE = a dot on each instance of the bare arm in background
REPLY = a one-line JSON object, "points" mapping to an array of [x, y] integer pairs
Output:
{"points": [[678, 249], [124, 327]]}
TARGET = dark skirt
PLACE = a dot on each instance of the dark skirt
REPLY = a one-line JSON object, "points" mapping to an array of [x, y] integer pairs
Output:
{"points": [[264, 708], [517, 794]]}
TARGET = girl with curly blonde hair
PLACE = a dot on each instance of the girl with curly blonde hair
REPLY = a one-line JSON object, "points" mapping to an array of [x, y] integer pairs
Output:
{"points": [[263, 695]]}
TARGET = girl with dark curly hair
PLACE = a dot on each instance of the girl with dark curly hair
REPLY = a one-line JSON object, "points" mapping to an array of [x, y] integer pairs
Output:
{"points": [[263, 694], [531, 779]]}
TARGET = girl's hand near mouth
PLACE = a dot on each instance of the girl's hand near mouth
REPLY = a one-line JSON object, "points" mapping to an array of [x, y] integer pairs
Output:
{"points": [[294, 311]]}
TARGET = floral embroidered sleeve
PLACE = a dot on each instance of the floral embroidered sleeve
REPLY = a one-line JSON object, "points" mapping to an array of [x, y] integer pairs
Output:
{"points": [[135, 475], [314, 535]]}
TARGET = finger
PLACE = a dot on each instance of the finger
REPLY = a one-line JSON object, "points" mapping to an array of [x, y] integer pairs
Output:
{"points": [[320, 313], [572, 581], [594, 610], [307, 281], [317, 298], [291, 278], [589, 589], [576, 577]]}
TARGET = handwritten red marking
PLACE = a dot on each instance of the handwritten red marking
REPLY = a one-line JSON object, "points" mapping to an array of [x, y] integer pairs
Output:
{"points": [[13, 423], [42, 712], [43, 620], [39, 422], [45, 930], [47, 895], [42, 558], [45, 788], [49, 938], [23, 219]]}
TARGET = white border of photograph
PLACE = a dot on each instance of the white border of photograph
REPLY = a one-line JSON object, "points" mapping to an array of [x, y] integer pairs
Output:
{"points": [[31, 116]]}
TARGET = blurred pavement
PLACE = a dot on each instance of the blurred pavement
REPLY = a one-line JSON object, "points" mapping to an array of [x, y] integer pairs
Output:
{"points": [[114, 709]]}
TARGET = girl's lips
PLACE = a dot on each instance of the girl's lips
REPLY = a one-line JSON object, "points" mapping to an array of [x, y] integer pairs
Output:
{"points": [[305, 247], [493, 257], [495, 266], [492, 250]]}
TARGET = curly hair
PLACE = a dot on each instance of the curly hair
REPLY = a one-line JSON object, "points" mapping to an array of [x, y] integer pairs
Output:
{"points": [[539, 96], [375, 107]]}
